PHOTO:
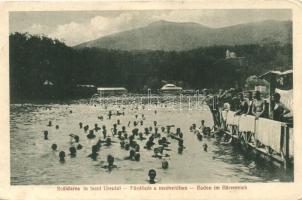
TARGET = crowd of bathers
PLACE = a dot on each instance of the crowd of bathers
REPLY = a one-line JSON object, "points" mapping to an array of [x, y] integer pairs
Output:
{"points": [[130, 136], [249, 103]]}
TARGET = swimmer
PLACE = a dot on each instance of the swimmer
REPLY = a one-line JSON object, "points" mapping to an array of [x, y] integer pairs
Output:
{"points": [[79, 147], [202, 126], [141, 122], [110, 161], [164, 141], [180, 149], [114, 131], [129, 123], [155, 123], [96, 128], [109, 114], [73, 152], [165, 164], [127, 147], [152, 175], [149, 144], [146, 131], [91, 135], [205, 147], [119, 135], [162, 129], [118, 122], [86, 128], [137, 156], [199, 136], [81, 125], [75, 137], [104, 133], [131, 155], [45, 135], [122, 143], [137, 147], [108, 141], [62, 156], [57, 126], [207, 131], [94, 153], [181, 143], [49, 123], [54, 147], [141, 137], [123, 129]]}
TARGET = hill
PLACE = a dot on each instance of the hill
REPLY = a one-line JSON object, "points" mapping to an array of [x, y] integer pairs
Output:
{"points": [[169, 36]]}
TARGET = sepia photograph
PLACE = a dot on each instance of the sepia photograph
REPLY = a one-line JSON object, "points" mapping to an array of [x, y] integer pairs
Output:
{"points": [[158, 96]]}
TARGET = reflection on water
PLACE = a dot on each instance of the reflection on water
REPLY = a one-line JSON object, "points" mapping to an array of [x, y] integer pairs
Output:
{"points": [[33, 161]]}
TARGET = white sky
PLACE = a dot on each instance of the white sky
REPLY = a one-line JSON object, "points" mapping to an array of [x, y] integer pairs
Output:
{"points": [[74, 27]]}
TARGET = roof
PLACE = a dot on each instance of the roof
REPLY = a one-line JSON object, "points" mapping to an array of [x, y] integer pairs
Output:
{"points": [[79, 85], [170, 87], [111, 89]]}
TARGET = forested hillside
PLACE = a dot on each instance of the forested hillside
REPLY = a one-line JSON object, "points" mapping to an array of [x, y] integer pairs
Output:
{"points": [[35, 59]]}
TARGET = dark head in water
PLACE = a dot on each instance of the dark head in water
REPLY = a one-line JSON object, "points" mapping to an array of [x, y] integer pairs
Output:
{"points": [[110, 160], [104, 133], [132, 154], [162, 129], [79, 147], [91, 135], [137, 148], [147, 131], [62, 156], [94, 153], [108, 141], [86, 128], [152, 175], [57, 126], [54, 147], [199, 136], [127, 146], [49, 123], [81, 125], [76, 138], [137, 156], [73, 151], [165, 164], [45, 135], [205, 147]]}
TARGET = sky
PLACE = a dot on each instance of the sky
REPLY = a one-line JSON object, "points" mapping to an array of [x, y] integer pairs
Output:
{"points": [[75, 27]]}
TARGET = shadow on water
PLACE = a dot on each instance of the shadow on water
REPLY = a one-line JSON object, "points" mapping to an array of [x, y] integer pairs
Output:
{"points": [[233, 154]]}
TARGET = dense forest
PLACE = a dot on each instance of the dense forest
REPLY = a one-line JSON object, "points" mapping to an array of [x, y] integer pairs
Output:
{"points": [[35, 59]]}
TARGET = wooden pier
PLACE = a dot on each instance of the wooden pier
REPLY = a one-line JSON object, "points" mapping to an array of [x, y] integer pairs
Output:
{"points": [[264, 138]]}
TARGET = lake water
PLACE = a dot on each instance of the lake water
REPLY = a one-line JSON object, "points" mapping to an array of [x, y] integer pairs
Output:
{"points": [[34, 162]]}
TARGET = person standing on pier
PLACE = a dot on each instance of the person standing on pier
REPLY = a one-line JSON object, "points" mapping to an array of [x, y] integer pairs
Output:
{"points": [[258, 105]]}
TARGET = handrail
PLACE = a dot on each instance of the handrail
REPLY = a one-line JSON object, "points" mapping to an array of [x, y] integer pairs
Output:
{"points": [[269, 132]]}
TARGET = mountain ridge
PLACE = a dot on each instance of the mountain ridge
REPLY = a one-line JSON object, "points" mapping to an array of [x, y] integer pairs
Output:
{"points": [[178, 36]]}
